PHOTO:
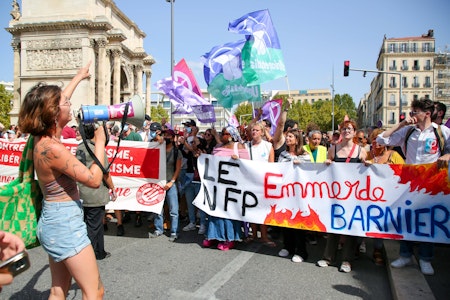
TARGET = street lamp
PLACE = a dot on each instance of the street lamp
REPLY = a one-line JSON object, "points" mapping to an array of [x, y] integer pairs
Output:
{"points": [[172, 59], [332, 105], [332, 100]]}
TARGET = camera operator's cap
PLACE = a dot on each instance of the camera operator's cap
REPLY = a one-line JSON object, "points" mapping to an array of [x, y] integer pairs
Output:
{"points": [[155, 126], [126, 127], [190, 123], [11, 132]]}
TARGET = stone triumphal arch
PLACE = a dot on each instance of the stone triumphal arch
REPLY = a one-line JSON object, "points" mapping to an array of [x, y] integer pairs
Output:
{"points": [[52, 39]]}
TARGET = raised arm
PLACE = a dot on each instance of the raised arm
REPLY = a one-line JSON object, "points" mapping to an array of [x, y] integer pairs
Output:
{"points": [[278, 138], [81, 74]]}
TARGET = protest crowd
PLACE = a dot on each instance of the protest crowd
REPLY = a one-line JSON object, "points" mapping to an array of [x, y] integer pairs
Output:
{"points": [[289, 143], [251, 141], [78, 185], [257, 140]]}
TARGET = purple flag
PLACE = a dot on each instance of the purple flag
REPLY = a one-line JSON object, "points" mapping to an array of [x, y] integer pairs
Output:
{"points": [[186, 101], [271, 110]]}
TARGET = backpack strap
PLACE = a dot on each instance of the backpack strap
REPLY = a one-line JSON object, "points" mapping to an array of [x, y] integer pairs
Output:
{"points": [[250, 150], [175, 157], [408, 134], [440, 139]]}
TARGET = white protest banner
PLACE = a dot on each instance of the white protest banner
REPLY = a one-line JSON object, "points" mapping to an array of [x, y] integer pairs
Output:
{"points": [[138, 172], [409, 202]]}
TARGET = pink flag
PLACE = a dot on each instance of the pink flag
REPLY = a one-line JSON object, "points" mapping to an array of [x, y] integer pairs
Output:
{"points": [[233, 121], [183, 74]]}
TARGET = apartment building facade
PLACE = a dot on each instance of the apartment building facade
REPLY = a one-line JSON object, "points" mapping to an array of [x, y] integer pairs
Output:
{"points": [[408, 70], [310, 96]]}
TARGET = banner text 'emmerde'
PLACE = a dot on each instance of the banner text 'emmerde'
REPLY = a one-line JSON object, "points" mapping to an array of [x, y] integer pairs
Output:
{"points": [[409, 202]]}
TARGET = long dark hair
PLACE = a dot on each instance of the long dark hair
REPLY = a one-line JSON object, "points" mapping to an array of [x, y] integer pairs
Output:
{"points": [[299, 137]]}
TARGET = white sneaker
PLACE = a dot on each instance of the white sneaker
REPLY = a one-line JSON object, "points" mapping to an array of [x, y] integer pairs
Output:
{"points": [[401, 262], [189, 227], [426, 267], [323, 263], [297, 258], [283, 253], [202, 229]]}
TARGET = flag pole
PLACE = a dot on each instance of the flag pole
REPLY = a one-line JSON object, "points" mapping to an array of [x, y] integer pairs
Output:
{"points": [[289, 88]]}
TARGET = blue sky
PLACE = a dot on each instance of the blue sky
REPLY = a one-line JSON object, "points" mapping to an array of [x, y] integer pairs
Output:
{"points": [[315, 36]]}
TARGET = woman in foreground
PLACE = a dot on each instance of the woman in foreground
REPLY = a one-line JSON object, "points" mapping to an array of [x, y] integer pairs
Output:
{"points": [[45, 110]]}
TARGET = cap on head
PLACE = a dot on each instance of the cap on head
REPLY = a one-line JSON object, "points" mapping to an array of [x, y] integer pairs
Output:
{"points": [[155, 126], [190, 123]]}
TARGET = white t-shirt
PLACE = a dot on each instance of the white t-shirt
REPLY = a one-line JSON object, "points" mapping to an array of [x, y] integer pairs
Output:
{"points": [[261, 151], [422, 145]]}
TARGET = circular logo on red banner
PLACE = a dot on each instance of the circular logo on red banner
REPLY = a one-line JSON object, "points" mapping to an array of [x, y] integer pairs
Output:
{"points": [[150, 194]]}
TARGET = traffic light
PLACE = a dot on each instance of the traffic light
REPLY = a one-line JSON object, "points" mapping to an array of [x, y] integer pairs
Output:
{"points": [[346, 67], [402, 116]]}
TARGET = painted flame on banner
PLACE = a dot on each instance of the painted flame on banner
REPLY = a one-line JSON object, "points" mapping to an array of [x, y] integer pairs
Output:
{"points": [[426, 176], [284, 218]]}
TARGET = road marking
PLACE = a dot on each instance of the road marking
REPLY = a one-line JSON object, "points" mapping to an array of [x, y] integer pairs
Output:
{"points": [[208, 290]]}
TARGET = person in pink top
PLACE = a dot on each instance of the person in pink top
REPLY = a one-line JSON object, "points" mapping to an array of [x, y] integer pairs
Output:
{"points": [[226, 232]]}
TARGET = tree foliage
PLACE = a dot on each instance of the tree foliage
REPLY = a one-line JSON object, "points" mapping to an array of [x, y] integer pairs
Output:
{"points": [[157, 113], [5, 106], [244, 110], [318, 113]]}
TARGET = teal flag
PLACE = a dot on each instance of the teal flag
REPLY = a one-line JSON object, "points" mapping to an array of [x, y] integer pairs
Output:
{"points": [[235, 91], [262, 59], [223, 73]]}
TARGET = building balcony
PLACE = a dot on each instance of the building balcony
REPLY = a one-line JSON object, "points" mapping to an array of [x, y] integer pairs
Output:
{"points": [[392, 85], [392, 68], [427, 85], [405, 85], [405, 68], [415, 85], [416, 68], [427, 68]]}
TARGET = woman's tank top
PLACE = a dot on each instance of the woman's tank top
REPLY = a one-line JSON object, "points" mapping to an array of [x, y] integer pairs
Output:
{"points": [[61, 187], [344, 159]]}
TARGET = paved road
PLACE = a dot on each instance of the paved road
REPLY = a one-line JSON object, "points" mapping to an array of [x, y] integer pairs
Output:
{"points": [[143, 268]]}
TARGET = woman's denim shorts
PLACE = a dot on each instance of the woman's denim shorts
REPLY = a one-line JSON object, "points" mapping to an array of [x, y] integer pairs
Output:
{"points": [[61, 229]]}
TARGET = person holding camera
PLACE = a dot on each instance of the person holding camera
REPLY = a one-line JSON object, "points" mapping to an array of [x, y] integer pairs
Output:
{"points": [[94, 200], [44, 112]]}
